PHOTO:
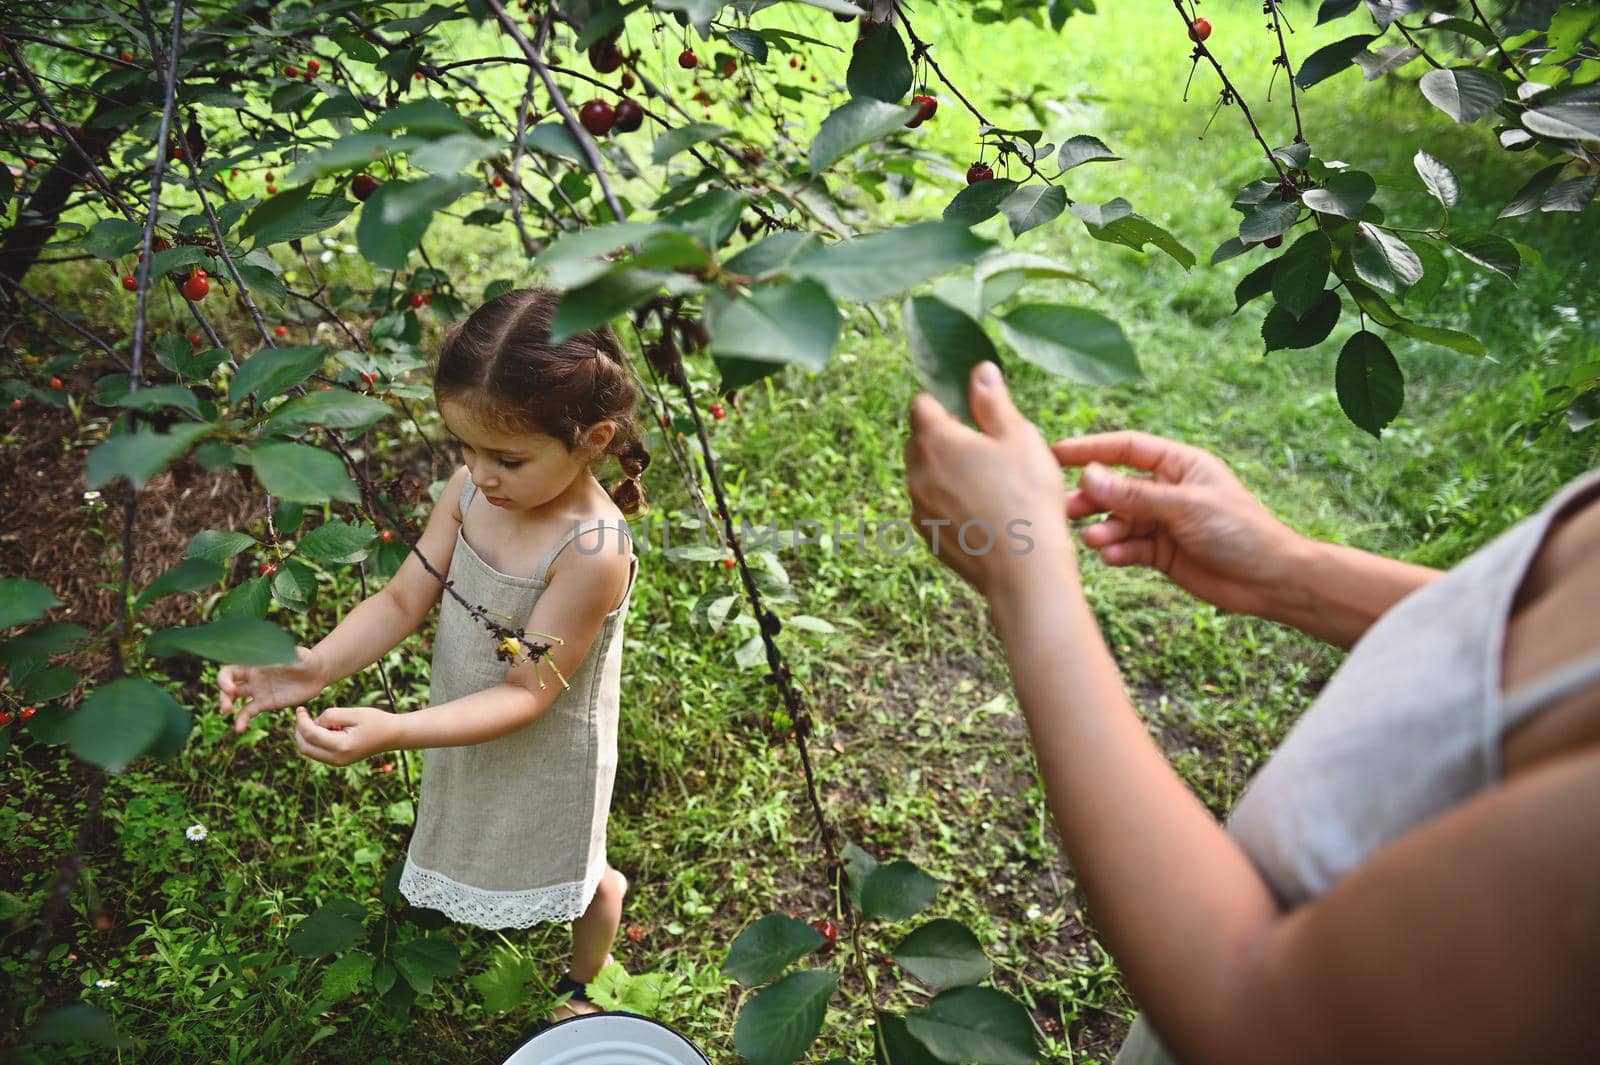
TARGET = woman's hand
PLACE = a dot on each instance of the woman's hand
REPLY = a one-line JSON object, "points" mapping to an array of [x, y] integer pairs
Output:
{"points": [[249, 690], [1191, 518], [990, 503], [344, 734]]}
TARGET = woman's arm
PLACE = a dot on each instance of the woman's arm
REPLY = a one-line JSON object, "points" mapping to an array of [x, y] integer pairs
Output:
{"points": [[584, 586], [1192, 519], [1475, 938]]}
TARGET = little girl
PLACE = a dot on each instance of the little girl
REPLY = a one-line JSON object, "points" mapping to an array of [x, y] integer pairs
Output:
{"points": [[516, 782]]}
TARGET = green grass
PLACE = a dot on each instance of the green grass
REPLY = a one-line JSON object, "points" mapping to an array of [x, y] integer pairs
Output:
{"points": [[920, 748]]}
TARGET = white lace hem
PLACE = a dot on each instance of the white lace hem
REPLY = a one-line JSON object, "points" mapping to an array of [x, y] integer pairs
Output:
{"points": [[492, 910]]}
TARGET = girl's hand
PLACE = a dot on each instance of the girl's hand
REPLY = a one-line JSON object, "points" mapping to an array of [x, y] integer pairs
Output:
{"points": [[344, 734], [990, 503], [248, 690]]}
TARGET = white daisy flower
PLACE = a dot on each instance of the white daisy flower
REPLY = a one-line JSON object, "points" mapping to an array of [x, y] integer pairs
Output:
{"points": [[91, 496], [196, 832], [103, 982]]}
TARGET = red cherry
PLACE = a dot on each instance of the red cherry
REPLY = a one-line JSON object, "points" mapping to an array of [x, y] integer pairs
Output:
{"points": [[688, 60], [195, 339], [291, 72], [387, 767], [828, 931], [363, 186], [728, 563], [312, 66], [417, 300], [386, 536], [271, 177], [55, 383], [126, 57], [427, 299], [718, 412], [662, 419], [1199, 30], [605, 56], [199, 271], [1274, 242], [926, 106], [272, 190], [196, 287], [280, 331], [16, 404], [5, 719], [627, 81], [496, 181], [416, 76], [268, 568], [234, 172], [130, 282], [730, 68], [630, 116], [27, 712], [979, 172], [635, 933], [369, 377], [598, 117]]}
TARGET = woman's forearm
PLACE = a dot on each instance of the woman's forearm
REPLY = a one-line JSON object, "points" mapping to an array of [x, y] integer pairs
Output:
{"points": [[1335, 593], [1178, 901], [366, 634]]}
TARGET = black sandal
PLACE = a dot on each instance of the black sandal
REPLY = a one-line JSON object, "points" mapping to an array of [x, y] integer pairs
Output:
{"points": [[567, 990]]}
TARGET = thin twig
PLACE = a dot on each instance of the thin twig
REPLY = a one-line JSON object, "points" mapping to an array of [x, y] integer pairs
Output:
{"points": [[1283, 57], [1228, 87]]}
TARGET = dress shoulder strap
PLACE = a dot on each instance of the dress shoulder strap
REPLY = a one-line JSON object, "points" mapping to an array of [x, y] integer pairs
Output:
{"points": [[468, 490], [543, 570], [1552, 687]]}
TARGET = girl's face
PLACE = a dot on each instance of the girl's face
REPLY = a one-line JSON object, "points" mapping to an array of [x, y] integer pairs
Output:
{"points": [[519, 471]]}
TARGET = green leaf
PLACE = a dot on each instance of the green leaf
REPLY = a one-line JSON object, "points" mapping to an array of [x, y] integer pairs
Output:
{"points": [[337, 543], [337, 408], [1284, 330], [358, 151], [118, 722], [77, 1023], [879, 67], [709, 218], [1527, 198], [111, 238], [337, 926], [900, 1046], [301, 474], [1084, 149], [189, 575], [1072, 342], [421, 961], [1345, 194], [942, 954], [1435, 272], [1490, 252], [886, 264], [1573, 116], [555, 139], [271, 372], [1466, 94], [240, 641], [45, 640], [1256, 283], [428, 117], [249, 599], [1032, 206], [22, 600], [449, 156], [945, 345], [698, 12], [1268, 220], [897, 891], [504, 985], [578, 258], [1116, 223], [263, 283], [979, 202], [674, 141], [217, 545], [601, 300], [858, 865], [859, 122], [750, 43], [1302, 273], [395, 218], [792, 322], [294, 585], [772, 254], [348, 975], [1574, 194], [779, 1024], [975, 1024], [48, 684], [1369, 382], [313, 215], [768, 946], [1330, 59], [140, 455], [1439, 179], [1383, 260]]}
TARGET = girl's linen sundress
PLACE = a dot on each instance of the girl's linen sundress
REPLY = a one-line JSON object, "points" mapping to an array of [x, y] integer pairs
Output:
{"points": [[512, 832], [1408, 727]]}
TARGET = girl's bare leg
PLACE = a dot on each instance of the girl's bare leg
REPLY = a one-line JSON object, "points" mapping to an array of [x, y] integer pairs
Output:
{"points": [[593, 934]]}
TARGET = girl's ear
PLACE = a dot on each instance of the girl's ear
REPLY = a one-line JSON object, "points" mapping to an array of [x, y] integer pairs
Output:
{"points": [[598, 436]]}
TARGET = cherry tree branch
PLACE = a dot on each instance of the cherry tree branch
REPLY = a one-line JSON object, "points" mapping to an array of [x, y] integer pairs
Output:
{"points": [[1283, 57], [1228, 87]]}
